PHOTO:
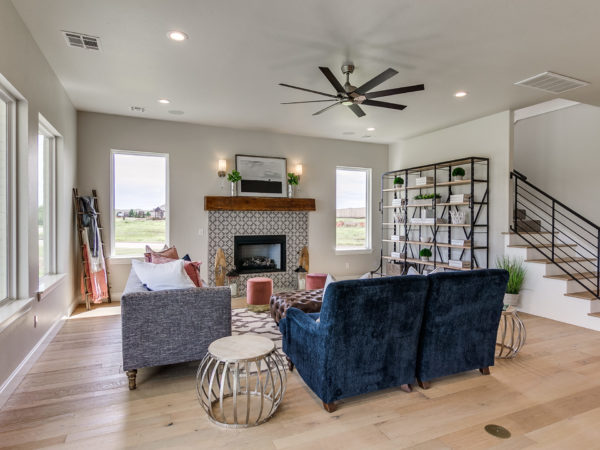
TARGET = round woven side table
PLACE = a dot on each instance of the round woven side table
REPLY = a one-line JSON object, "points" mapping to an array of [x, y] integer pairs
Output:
{"points": [[241, 381], [511, 334]]}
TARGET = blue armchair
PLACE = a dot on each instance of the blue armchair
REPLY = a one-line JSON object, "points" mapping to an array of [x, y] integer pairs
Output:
{"points": [[365, 340], [460, 323]]}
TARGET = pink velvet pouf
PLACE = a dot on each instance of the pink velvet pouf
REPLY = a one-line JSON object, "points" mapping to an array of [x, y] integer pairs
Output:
{"points": [[315, 280], [258, 293]]}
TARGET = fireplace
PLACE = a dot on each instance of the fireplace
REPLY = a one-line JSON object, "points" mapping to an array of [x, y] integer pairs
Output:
{"points": [[255, 254]]}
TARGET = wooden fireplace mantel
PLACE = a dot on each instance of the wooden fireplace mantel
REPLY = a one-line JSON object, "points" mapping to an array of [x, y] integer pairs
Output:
{"points": [[258, 204]]}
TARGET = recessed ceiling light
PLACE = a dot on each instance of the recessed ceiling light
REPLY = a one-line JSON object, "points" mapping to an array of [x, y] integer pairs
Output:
{"points": [[460, 94], [164, 101], [370, 129], [177, 36]]}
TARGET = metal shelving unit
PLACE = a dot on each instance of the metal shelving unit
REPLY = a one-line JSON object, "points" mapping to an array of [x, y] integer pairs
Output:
{"points": [[401, 236]]}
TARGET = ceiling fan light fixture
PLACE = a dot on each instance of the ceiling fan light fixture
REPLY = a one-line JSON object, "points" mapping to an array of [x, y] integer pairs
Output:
{"points": [[347, 103]]}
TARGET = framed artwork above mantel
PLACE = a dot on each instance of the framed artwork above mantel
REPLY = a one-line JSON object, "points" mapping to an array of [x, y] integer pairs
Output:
{"points": [[262, 176]]}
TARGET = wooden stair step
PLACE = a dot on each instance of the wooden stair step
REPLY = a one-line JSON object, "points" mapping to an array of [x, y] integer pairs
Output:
{"points": [[596, 314], [541, 245], [558, 260], [527, 232], [585, 295], [578, 276]]}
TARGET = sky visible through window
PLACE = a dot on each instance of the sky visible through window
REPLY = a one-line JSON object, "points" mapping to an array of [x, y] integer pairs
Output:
{"points": [[140, 181], [351, 208], [351, 188]]}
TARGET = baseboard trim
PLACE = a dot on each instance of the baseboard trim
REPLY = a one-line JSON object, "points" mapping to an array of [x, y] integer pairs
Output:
{"points": [[11, 383]]}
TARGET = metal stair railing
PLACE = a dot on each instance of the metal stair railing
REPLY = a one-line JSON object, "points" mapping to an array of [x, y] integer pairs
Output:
{"points": [[568, 230]]}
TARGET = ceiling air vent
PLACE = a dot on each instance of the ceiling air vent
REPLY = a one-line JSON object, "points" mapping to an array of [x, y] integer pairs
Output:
{"points": [[137, 109], [552, 82], [82, 40]]}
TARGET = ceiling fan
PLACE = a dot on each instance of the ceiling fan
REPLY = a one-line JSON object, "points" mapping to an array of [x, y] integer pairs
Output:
{"points": [[352, 96]]}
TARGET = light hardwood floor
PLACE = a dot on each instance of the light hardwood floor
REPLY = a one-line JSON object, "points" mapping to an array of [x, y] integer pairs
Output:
{"points": [[76, 396]]}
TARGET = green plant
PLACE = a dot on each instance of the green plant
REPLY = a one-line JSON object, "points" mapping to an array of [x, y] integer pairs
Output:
{"points": [[427, 196], [398, 180], [293, 179], [234, 176], [425, 253], [516, 273], [458, 172]]}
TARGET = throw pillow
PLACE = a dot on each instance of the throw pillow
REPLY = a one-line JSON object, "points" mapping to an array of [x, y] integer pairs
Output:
{"points": [[159, 277], [412, 271], [192, 268], [330, 279], [167, 252], [366, 276]]}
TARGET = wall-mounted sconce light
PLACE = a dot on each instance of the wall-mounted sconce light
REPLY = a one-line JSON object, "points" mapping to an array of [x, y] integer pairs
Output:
{"points": [[299, 170], [222, 169]]}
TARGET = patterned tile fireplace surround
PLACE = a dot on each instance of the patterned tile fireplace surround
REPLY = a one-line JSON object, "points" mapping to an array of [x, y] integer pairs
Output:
{"points": [[223, 226]]}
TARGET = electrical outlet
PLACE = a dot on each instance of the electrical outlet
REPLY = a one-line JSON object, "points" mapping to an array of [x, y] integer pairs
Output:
{"points": [[200, 231], [35, 321], [347, 266]]}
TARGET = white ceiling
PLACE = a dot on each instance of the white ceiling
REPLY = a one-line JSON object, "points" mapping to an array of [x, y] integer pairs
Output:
{"points": [[239, 50]]}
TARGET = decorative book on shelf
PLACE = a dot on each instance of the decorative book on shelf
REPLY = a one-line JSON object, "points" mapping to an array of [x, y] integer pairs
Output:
{"points": [[434, 210]]}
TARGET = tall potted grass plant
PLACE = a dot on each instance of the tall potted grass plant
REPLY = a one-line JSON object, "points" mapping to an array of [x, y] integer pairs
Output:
{"points": [[516, 277]]}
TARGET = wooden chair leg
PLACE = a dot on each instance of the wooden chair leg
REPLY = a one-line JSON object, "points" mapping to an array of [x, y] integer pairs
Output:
{"points": [[330, 407], [424, 384], [406, 387], [131, 374], [485, 370], [290, 364]]}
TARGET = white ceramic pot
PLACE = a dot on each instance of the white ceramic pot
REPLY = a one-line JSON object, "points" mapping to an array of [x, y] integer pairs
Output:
{"points": [[424, 258], [511, 299], [458, 178]]}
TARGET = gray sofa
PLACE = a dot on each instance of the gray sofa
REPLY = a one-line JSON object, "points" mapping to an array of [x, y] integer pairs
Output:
{"points": [[169, 327]]}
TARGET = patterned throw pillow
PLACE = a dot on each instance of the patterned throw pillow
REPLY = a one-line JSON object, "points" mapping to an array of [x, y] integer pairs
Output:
{"points": [[192, 268], [167, 252]]}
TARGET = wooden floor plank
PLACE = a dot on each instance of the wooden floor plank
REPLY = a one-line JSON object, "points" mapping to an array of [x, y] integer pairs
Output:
{"points": [[76, 396]]}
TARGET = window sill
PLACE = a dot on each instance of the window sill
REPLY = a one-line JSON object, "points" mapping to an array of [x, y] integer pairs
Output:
{"points": [[13, 309], [354, 251], [116, 260], [48, 283]]}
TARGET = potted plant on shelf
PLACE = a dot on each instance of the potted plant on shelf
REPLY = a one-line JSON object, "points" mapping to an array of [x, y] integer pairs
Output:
{"points": [[233, 178], [458, 173], [427, 199], [398, 182], [292, 180], [516, 277], [425, 254]]}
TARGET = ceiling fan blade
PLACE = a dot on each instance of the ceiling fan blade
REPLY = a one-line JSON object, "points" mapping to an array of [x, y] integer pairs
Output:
{"points": [[383, 104], [308, 90], [357, 110], [383, 76], [309, 101], [402, 90], [325, 109], [333, 80]]}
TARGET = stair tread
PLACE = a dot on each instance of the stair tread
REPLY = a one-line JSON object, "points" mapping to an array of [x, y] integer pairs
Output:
{"points": [[527, 232], [596, 314], [541, 245], [585, 295], [579, 276], [558, 260]]}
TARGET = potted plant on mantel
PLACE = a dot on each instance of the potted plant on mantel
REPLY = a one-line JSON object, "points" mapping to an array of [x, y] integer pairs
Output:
{"points": [[458, 173], [425, 254], [233, 178], [516, 277], [292, 180]]}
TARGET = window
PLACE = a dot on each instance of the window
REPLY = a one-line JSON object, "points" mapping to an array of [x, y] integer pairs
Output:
{"points": [[5, 178], [46, 201], [353, 209], [139, 207]]}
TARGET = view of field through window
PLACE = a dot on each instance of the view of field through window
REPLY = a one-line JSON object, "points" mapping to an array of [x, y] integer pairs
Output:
{"points": [[351, 209], [140, 209]]}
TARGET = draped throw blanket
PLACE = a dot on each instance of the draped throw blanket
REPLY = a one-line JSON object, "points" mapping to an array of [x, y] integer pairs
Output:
{"points": [[94, 277]]}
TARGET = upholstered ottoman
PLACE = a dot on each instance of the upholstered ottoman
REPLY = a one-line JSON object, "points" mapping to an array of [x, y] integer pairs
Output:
{"points": [[258, 293], [307, 301], [315, 280]]}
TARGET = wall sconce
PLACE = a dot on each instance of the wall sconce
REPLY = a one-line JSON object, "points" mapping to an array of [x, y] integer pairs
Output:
{"points": [[222, 169], [299, 170]]}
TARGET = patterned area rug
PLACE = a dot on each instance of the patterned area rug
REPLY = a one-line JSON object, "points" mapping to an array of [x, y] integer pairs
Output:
{"points": [[261, 323]]}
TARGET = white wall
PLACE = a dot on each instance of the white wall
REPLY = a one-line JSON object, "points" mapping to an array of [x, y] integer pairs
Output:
{"points": [[25, 68], [490, 137], [193, 154], [560, 153]]}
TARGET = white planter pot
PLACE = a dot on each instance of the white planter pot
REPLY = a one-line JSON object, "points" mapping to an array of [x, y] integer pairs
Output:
{"points": [[511, 299], [458, 178], [424, 258]]}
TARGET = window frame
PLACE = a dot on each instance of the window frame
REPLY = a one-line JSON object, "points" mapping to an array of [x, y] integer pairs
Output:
{"points": [[368, 213], [11, 195], [49, 132], [114, 152]]}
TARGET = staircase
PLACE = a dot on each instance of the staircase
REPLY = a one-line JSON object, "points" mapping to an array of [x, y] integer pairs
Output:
{"points": [[560, 251]]}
